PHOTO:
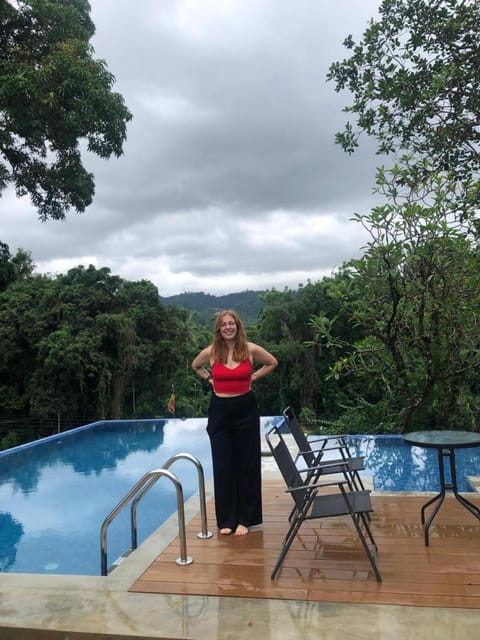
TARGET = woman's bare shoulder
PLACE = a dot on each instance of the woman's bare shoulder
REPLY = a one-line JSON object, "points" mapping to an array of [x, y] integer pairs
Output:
{"points": [[254, 348], [261, 355]]}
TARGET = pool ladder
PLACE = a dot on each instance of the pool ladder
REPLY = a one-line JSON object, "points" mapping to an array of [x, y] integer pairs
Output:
{"points": [[142, 487]]}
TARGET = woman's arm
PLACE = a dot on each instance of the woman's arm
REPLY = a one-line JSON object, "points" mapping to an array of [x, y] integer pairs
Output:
{"points": [[263, 357], [200, 363]]}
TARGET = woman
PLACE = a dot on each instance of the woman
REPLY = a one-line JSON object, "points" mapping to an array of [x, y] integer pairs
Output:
{"points": [[233, 422]]}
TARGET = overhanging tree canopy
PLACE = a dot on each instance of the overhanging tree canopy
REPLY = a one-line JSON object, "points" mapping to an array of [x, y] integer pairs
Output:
{"points": [[415, 81], [54, 94]]}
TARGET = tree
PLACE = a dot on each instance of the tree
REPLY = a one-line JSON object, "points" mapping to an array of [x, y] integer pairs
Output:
{"points": [[7, 269], [24, 321], [53, 95], [14, 267], [287, 330], [415, 294], [415, 80], [88, 344]]}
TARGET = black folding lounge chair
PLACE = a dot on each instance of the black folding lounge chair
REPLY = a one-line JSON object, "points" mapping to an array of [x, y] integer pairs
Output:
{"points": [[309, 505], [313, 454]]}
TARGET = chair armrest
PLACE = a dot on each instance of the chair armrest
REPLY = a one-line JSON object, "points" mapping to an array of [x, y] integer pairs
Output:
{"points": [[321, 449], [317, 485], [327, 465]]}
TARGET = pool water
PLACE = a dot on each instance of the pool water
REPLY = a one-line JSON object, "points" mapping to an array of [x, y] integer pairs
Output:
{"points": [[56, 493], [397, 466]]}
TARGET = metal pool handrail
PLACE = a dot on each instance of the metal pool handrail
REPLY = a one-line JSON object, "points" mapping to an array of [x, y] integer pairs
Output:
{"points": [[204, 533], [144, 484]]}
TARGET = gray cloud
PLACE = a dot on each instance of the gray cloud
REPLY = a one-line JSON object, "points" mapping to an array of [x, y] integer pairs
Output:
{"points": [[230, 177]]}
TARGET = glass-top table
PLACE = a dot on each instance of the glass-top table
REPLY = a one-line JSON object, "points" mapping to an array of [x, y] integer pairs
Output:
{"points": [[445, 442]]}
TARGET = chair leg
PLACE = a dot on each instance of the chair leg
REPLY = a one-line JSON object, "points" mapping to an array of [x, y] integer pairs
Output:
{"points": [[366, 547], [292, 532], [366, 518], [358, 479], [286, 544]]}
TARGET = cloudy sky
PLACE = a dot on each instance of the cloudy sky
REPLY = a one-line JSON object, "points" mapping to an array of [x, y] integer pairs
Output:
{"points": [[230, 178]]}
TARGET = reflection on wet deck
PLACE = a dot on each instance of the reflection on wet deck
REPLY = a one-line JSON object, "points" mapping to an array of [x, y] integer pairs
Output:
{"points": [[326, 562]]}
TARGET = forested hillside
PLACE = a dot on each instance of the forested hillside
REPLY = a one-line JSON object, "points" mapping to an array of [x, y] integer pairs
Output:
{"points": [[361, 351], [247, 303]]}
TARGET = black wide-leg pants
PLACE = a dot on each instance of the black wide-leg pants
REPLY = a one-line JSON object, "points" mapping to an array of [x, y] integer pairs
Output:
{"points": [[234, 431]]}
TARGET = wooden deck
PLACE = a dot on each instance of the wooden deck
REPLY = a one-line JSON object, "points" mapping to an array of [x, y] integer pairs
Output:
{"points": [[326, 562]]}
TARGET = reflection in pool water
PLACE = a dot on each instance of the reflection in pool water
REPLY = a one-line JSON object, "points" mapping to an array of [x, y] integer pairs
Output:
{"points": [[55, 493], [396, 466]]}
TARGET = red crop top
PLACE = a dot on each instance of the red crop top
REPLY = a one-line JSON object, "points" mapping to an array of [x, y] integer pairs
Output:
{"points": [[234, 381]]}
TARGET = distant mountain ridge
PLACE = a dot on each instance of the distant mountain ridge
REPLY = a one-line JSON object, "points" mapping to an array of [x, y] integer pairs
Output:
{"points": [[247, 304]]}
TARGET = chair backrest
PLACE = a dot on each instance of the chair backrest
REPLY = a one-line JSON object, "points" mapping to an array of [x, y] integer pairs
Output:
{"points": [[287, 466], [299, 436]]}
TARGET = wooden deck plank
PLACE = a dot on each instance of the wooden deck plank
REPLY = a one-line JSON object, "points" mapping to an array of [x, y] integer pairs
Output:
{"points": [[326, 562]]}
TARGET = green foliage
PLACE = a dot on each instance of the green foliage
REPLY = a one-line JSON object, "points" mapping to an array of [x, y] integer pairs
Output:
{"points": [[88, 344], [287, 325], [308, 418], [11, 439], [414, 79], [14, 267], [247, 304], [7, 269], [362, 417], [415, 294], [54, 94]]}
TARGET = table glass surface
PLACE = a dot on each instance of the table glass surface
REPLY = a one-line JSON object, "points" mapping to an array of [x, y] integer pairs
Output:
{"points": [[438, 439]]}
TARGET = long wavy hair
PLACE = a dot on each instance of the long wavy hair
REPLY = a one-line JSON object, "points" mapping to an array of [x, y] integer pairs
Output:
{"points": [[219, 347]]}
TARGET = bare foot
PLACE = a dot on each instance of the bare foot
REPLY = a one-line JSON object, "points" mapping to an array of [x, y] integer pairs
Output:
{"points": [[241, 530], [226, 531]]}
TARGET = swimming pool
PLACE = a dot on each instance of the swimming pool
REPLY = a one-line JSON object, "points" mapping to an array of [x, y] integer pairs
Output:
{"points": [[55, 493], [396, 466]]}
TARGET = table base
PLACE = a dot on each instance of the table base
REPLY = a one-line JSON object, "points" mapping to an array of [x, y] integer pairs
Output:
{"points": [[444, 487]]}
